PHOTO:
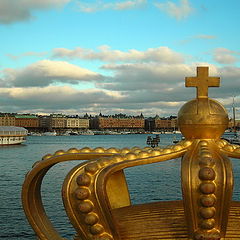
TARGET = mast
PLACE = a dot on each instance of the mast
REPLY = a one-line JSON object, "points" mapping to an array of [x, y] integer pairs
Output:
{"points": [[234, 116]]}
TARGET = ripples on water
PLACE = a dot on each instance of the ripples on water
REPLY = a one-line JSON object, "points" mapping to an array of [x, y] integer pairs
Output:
{"points": [[154, 182]]}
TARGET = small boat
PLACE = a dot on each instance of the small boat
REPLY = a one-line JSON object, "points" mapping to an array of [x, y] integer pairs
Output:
{"points": [[156, 132], [232, 137], [72, 133], [34, 134], [49, 133], [176, 140], [88, 132], [11, 135]]}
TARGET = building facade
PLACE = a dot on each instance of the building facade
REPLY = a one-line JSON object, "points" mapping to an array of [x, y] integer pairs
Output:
{"points": [[7, 120], [117, 123], [27, 121], [57, 121], [77, 123], [161, 124]]}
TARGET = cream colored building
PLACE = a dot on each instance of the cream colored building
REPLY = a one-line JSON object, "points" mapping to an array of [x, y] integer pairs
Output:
{"points": [[77, 123], [57, 121]]}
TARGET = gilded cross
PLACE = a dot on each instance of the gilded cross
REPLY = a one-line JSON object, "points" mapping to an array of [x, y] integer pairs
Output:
{"points": [[202, 82]]}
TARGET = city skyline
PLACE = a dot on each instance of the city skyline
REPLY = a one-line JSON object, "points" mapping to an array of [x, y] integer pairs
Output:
{"points": [[115, 56]]}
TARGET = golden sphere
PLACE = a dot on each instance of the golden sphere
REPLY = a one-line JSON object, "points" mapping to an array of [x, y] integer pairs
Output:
{"points": [[99, 150], [106, 237], [85, 150], [73, 150], [208, 200], [91, 218], [96, 229], [83, 179], [202, 118], [82, 193], [47, 156], [112, 150], [117, 158], [207, 173], [155, 153], [91, 167], [228, 148], [125, 150], [206, 161], [143, 154], [131, 156], [85, 207], [207, 187], [59, 152], [208, 224], [207, 212]]}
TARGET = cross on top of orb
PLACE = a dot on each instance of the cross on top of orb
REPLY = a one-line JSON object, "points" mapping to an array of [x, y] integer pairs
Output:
{"points": [[202, 82]]}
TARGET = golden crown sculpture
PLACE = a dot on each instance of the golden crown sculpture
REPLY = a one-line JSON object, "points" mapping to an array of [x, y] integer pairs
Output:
{"points": [[96, 197]]}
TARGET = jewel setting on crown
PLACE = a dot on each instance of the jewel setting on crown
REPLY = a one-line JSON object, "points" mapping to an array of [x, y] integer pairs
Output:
{"points": [[95, 192]]}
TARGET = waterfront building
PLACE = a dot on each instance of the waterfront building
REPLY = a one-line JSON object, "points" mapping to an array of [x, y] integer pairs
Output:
{"points": [[44, 123], [27, 121], [7, 119], [166, 124], [77, 123], [118, 122], [161, 124], [57, 121]]}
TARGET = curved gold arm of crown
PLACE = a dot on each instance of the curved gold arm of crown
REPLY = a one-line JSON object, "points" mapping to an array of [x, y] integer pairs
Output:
{"points": [[31, 190], [92, 189], [231, 150]]}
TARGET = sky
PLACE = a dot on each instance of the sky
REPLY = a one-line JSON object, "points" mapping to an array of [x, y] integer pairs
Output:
{"points": [[123, 56]]}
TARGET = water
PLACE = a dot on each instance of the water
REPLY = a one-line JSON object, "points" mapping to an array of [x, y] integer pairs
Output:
{"points": [[147, 183]]}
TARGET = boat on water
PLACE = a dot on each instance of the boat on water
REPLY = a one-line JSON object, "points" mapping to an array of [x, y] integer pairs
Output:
{"points": [[232, 137], [11, 135], [50, 133], [34, 134], [72, 133], [88, 132]]}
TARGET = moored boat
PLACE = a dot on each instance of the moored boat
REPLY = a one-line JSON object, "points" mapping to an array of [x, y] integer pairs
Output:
{"points": [[49, 133], [232, 137], [87, 132], [11, 135]]}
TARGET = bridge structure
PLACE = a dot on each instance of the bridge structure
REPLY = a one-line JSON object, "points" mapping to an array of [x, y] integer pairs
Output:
{"points": [[95, 192]]}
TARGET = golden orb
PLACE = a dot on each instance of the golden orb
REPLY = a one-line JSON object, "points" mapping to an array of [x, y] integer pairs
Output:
{"points": [[202, 118]]}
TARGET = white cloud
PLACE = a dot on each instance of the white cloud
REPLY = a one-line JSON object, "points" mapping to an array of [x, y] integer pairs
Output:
{"points": [[200, 37], [225, 56], [101, 5], [204, 36], [26, 54], [155, 77], [151, 88], [55, 98], [72, 101], [105, 53], [46, 72], [153, 82], [179, 12], [21, 10], [61, 93], [129, 4]]}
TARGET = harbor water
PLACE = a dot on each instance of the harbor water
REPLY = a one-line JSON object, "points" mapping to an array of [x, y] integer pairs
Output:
{"points": [[155, 182]]}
